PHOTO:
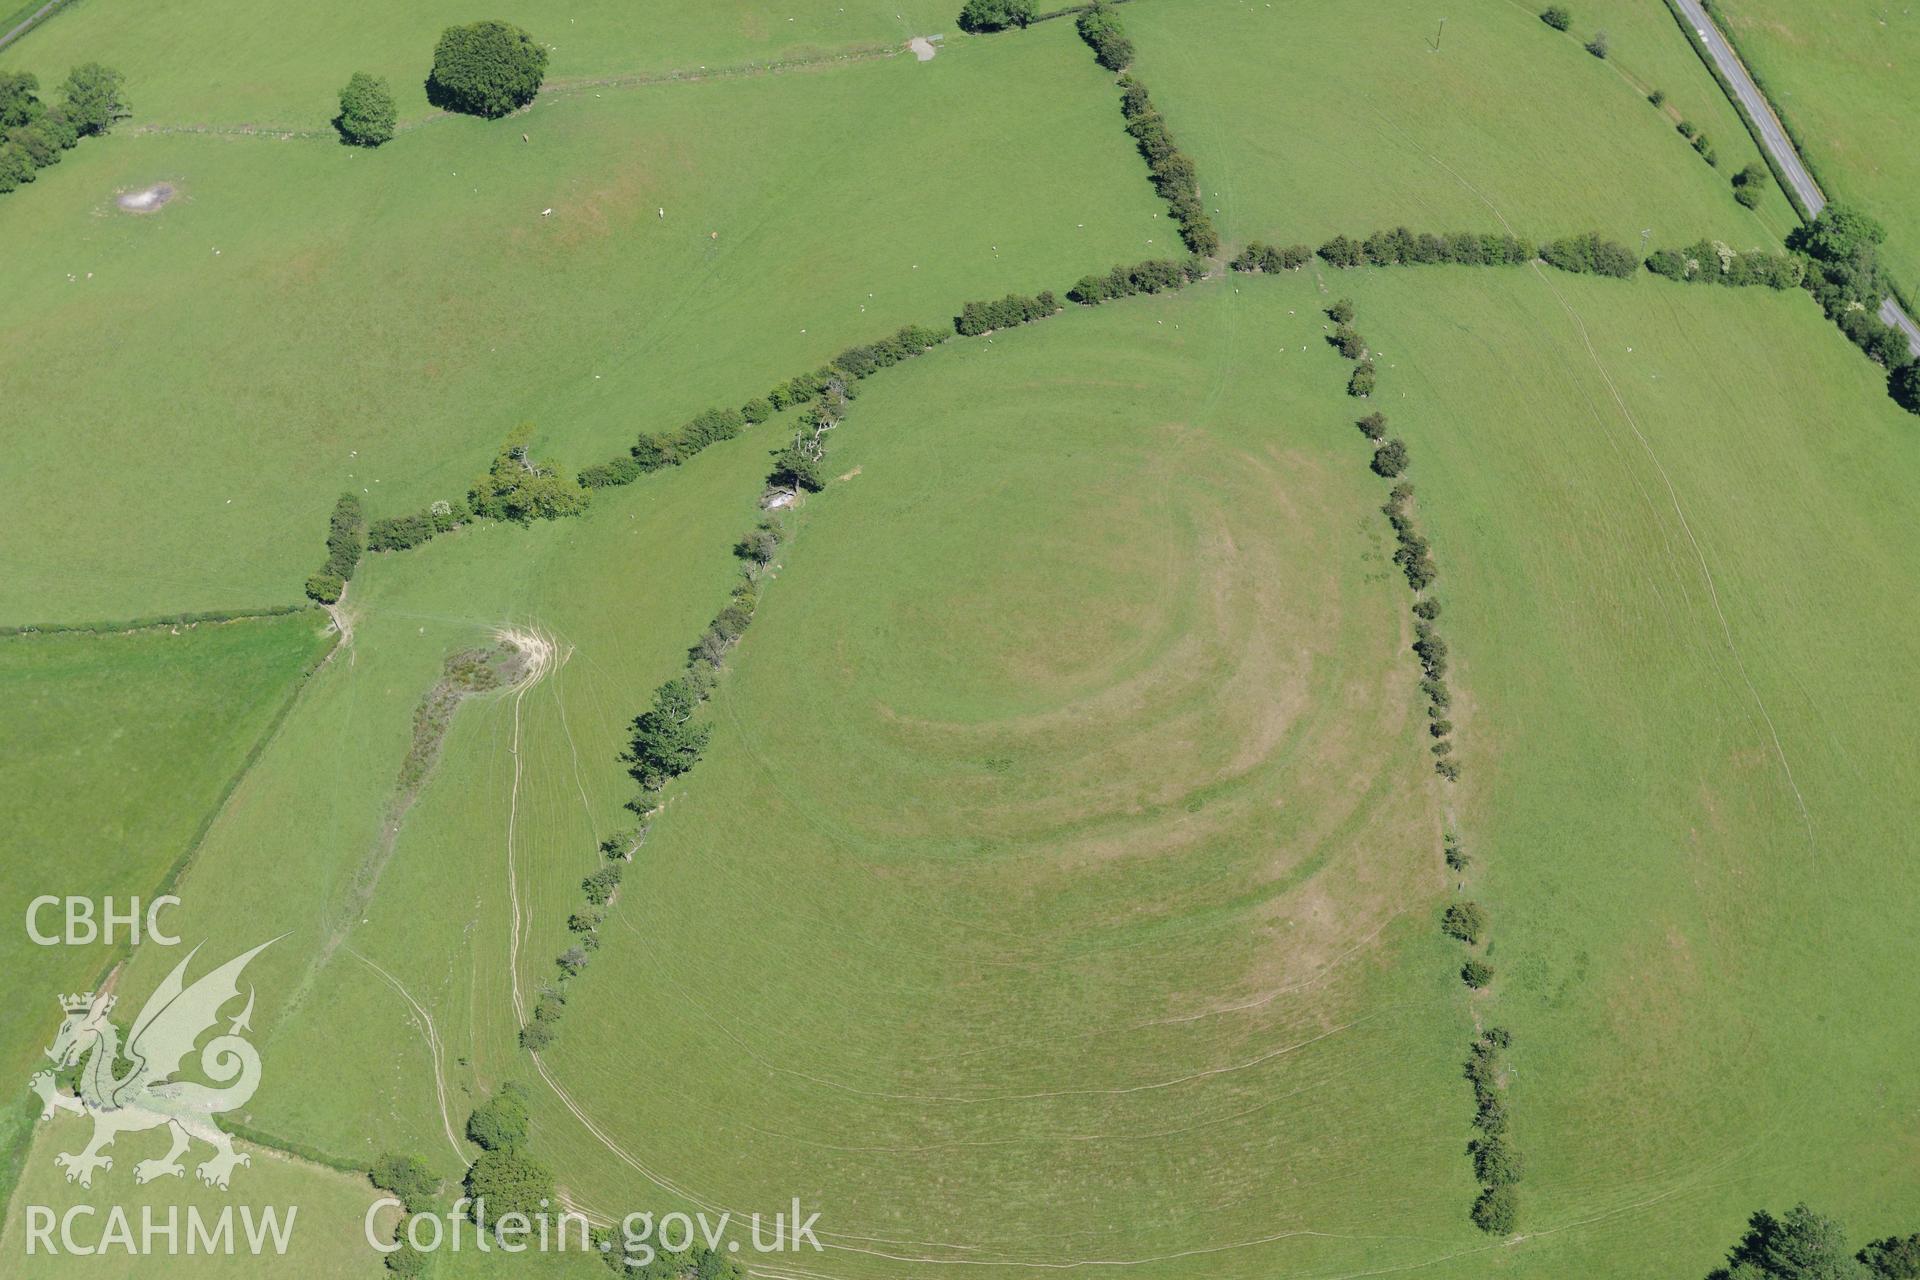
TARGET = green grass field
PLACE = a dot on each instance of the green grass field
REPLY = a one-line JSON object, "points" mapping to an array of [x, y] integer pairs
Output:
{"points": [[1691, 833], [1059, 889], [1648, 51], [1842, 75], [222, 64], [380, 321], [906, 829], [105, 801], [327, 1236], [373, 922], [1081, 696], [1061, 882], [119, 747], [1310, 120], [743, 985]]}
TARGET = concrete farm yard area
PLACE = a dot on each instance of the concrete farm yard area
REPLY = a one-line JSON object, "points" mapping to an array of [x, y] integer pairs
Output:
{"points": [[1110, 846]]}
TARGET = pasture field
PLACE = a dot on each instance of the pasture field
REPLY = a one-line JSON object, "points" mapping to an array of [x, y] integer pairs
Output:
{"points": [[1059, 890], [304, 317], [327, 1238], [1059, 883], [1077, 728], [200, 64], [1691, 834], [904, 831], [383, 913], [117, 751], [1311, 120], [1841, 73], [1648, 51]]}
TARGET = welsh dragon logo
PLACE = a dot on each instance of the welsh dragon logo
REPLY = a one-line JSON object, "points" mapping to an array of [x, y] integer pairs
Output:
{"points": [[145, 1097]]}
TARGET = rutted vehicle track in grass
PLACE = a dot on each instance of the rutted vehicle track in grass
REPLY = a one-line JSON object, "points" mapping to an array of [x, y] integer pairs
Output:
{"points": [[540, 655]]}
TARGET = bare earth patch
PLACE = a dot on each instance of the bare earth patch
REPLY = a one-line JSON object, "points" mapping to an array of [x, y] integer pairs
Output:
{"points": [[923, 48], [146, 200]]}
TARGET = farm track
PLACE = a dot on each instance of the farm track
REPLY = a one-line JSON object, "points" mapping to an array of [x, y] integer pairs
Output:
{"points": [[543, 657], [434, 1048]]}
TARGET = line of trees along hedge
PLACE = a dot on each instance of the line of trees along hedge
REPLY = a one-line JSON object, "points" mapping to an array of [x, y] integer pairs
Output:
{"points": [[1698, 140], [1713, 262], [1836, 259], [115, 627], [1402, 247], [346, 541], [695, 1262], [516, 487], [1804, 1245], [667, 740], [864, 361], [1414, 555], [1100, 27], [1268, 257], [1497, 1164], [410, 1180], [506, 1178], [996, 15], [1467, 922], [34, 136], [1842, 246], [1174, 174], [656, 450], [1589, 253], [664, 742], [401, 533], [671, 448], [1585, 253], [1348, 342], [583, 927], [486, 69], [521, 488], [801, 464], [1159, 275], [976, 318]]}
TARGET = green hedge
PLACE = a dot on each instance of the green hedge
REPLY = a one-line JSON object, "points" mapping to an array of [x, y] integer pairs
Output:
{"points": [[160, 620]]}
